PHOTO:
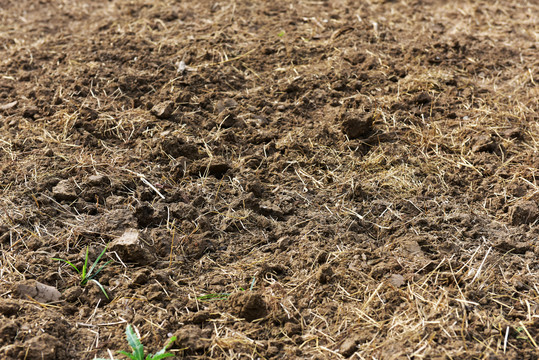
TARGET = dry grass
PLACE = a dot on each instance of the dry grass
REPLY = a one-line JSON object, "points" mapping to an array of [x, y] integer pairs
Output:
{"points": [[419, 198]]}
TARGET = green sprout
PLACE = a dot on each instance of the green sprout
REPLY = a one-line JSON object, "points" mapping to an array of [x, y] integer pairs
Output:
{"points": [[214, 296], [138, 349], [281, 33], [86, 274]]}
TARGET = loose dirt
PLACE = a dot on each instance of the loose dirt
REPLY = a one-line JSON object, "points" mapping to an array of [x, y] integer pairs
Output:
{"points": [[299, 180]]}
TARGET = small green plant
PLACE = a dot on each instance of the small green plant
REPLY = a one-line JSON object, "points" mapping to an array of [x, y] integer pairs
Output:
{"points": [[86, 274], [281, 33], [138, 349], [214, 296]]}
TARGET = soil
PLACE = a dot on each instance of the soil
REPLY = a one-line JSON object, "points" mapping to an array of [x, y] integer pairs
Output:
{"points": [[299, 180]]}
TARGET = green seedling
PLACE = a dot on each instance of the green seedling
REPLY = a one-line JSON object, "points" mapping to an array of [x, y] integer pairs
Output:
{"points": [[281, 33], [138, 349], [86, 274], [215, 296]]}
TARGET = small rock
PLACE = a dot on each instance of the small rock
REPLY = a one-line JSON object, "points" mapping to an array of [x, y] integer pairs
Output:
{"points": [[97, 180], [39, 292], [64, 190], [524, 212], [163, 110], [397, 280], [349, 346], [412, 246], [225, 104], [129, 247]]}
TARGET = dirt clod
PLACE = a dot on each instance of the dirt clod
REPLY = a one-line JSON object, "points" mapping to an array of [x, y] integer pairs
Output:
{"points": [[349, 346], [98, 180], [357, 126], [524, 212], [9, 307], [163, 110], [64, 190], [248, 305], [39, 292], [324, 274], [192, 338], [210, 166], [43, 346], [129, 247], [8, 331], [397, 280]]}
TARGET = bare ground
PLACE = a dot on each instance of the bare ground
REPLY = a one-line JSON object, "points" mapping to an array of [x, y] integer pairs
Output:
{"points": [[305, 180]]}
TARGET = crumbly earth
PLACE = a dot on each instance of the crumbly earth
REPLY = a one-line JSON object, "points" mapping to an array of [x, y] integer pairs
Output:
{"points": [[299, 180]]}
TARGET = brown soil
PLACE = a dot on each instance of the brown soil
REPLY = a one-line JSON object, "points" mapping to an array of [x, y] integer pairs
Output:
{"points": [[342, 178]]}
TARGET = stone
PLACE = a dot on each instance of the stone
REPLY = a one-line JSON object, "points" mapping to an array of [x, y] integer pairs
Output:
{"points": [[349, 346], [397, 280], [39, 292], [64, 190], [163, 110], [129, 247], [98, 180]]}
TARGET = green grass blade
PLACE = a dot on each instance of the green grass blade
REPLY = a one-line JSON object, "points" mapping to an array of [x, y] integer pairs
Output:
{"points": [[131, 356], [96, 262], [159, 357], [217, 296], [99, 270], [84, 280], [69, 263], [134, 342], [161, 353], [101, 287]]}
